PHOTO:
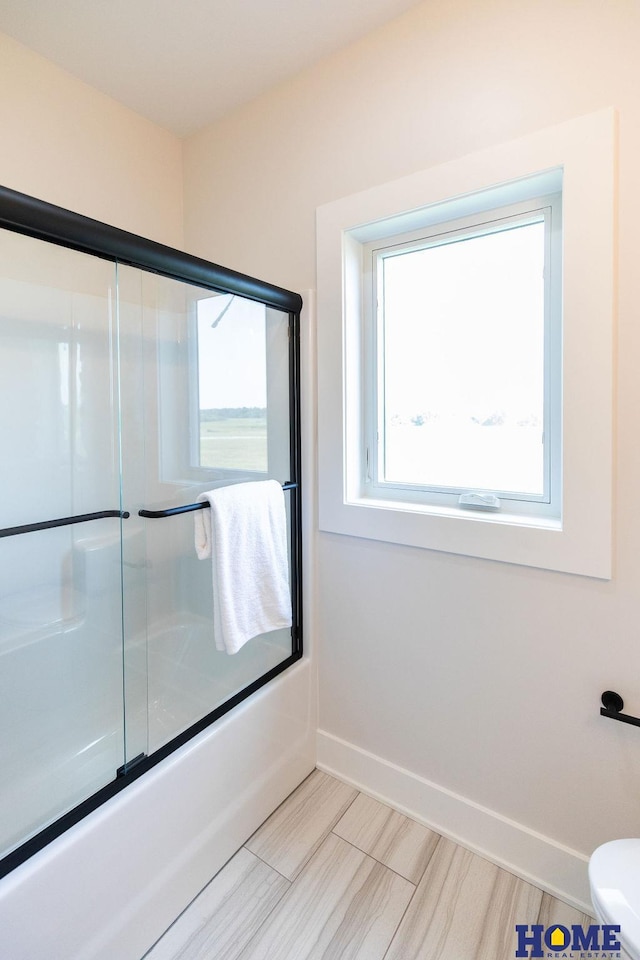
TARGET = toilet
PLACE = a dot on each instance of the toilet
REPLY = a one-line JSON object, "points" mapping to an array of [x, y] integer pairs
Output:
{"points": [[614, 877]]}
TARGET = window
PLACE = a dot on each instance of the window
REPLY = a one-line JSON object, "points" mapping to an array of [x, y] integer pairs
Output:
{"points": [[463, 332], [495, 387]]}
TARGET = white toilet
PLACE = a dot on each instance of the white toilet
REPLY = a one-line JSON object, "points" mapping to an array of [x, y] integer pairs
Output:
{"points": [[614, 876]]}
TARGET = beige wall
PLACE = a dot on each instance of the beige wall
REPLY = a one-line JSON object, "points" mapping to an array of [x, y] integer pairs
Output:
{"points": [[482, 677], [64, 142]]}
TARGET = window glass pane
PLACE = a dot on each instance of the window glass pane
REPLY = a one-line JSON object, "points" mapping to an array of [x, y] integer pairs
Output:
{"points": [[232, 383], [462, 364]]}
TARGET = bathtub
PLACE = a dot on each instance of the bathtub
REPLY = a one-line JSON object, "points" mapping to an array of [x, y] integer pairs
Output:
{"points": [[109, 887]]}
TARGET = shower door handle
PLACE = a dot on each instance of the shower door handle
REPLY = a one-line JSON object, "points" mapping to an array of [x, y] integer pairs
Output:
{"points": [[62, 522]]}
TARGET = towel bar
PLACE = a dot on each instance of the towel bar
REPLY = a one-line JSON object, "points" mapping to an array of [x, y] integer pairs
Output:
{"points": [[612, 704], [189, 507]]}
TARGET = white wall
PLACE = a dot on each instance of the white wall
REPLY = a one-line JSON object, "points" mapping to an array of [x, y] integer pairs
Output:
{"points": [[64, 142], [481, 677]]}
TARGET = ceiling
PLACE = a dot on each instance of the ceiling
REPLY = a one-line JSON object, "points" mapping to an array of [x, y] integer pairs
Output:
{"points": [[185, 63]]}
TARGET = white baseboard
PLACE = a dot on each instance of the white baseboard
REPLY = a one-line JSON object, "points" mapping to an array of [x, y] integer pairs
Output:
{"points": [[532, 856]]}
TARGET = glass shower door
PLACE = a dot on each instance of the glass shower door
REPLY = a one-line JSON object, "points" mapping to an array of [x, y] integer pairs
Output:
{"points": [[208, 406], [126, 393], [61, 699]]}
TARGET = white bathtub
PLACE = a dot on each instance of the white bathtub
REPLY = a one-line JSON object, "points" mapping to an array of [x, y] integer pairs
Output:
{"points": [[108, 887]]}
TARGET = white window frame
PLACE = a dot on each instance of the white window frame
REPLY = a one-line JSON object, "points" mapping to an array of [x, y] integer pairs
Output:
{"points": [[579, 157], [547, 210]]}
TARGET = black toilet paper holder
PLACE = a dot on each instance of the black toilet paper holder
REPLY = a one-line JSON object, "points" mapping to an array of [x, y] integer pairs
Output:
{"points": [[612, 705]]}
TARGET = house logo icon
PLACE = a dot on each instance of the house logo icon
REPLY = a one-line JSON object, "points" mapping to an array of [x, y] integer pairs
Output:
{"points": [[559, 938]]}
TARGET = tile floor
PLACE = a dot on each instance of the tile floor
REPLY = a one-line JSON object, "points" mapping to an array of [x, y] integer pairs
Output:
{"points": [[335, 875]]}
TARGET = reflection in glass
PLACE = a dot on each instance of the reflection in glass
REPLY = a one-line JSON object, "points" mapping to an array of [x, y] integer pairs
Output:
{"points": [[232, 384]]}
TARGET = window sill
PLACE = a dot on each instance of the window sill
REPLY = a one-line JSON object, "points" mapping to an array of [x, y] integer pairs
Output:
{"points": [[511, 518], [568, 546]]}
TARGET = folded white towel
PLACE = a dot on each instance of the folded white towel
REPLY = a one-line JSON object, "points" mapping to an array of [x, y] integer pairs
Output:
{"points": [[245, 535]]}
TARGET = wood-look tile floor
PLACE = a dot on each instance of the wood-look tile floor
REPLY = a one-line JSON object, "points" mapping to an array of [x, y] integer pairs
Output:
{"points": [[335, 875]]}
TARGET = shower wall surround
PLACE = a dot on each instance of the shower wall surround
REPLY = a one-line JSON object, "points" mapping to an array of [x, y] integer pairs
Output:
{"points": [[132, 377]]}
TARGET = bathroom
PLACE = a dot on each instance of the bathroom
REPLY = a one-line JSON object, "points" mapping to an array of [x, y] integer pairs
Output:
{"points": [[461, 688]]}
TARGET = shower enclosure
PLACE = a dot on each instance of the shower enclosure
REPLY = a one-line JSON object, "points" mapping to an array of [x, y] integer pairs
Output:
{"points": [[132, 378]]}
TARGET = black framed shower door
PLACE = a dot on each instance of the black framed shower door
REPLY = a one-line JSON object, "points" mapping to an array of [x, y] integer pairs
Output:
{"points": [[133, 377]]}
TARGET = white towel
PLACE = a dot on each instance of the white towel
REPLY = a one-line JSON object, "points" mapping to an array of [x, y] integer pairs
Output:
{"points": [[245, 535]]}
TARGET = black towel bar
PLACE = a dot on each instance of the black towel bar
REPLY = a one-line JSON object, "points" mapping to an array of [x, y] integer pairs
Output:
{"points": [[190, 507], [612, 704]]}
